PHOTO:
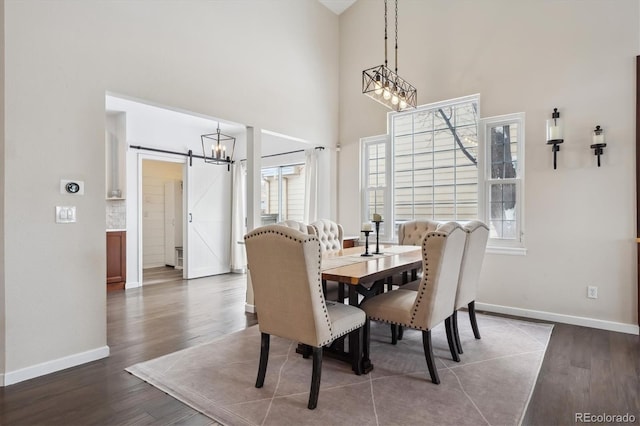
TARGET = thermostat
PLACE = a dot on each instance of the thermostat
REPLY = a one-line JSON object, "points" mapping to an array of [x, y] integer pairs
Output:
{"points": [[73, 187]]}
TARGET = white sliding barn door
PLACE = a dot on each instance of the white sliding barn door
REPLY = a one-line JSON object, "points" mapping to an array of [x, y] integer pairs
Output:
{"points": [[208, 219]]}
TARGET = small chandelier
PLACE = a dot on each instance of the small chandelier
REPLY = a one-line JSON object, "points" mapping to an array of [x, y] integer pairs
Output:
{"points": [[385, 86], [218, 153]]}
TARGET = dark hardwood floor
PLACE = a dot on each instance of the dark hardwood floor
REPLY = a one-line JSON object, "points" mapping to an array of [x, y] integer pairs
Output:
{"points": [[584, 370]]}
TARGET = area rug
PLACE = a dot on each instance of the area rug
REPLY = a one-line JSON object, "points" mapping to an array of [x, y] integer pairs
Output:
{"points": [[491, 385]]}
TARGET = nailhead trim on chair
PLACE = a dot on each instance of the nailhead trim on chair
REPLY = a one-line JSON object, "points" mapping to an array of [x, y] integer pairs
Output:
{"points": [[310, 237], [425, 276]]}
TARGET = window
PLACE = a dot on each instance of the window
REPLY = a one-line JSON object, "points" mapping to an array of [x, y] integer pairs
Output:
{"points": [[504, 138], [435, 167], [443, 162], [282, 193], [374, 178]]}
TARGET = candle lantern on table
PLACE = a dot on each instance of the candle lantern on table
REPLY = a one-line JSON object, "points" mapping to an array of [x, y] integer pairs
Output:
{"points": [[366, 229], [377, 219]]}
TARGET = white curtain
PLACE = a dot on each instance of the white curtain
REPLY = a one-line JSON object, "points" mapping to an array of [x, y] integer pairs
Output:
{"points": [[311, 186], [238, 217]]}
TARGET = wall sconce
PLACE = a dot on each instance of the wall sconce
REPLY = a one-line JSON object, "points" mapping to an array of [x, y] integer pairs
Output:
{"points": [[554, 133], [598, 142]]}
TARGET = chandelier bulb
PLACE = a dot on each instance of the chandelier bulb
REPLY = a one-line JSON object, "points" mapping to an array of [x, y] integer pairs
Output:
{"points": [[395, 99], [378, 84], [386, 94], [403, 104]]}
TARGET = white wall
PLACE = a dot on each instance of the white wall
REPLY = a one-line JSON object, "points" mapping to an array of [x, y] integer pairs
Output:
{"points": [[529, 56], [2, 196], [271, 65]]}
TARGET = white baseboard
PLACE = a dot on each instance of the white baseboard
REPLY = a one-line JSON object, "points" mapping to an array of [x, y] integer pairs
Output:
{"points": [[250, 308], [129, 285], [561, 318], [12, 377]]}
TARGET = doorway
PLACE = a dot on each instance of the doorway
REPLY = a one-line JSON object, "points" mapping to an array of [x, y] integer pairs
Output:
{"points": [[162, 203]]}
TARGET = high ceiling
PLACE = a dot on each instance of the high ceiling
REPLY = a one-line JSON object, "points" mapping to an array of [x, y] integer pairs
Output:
{"points": [[337, 6]]}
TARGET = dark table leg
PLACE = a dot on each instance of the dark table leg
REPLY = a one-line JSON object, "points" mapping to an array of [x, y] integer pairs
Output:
{"points": [[366, 365]]}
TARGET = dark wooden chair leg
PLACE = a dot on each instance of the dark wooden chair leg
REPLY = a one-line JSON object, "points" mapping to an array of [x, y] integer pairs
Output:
{"points": [[341, 292], [366, 362], [456, 334], [264, 359], [315, 378], [450, 340], [405, 277], [428, 354], [400, 332], [472, 317], [389, 283], [394, 334], [324, 287]]}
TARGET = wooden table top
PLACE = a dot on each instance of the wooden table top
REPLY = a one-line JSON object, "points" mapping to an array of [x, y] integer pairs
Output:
{"points": [[349, 267]]}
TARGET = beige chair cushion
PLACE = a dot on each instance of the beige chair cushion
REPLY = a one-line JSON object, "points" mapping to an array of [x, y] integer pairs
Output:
{"points": [[413, 285], [433, 302], [410, 233], [285, 272], [294, 224], [329, 233], [474, 249]]}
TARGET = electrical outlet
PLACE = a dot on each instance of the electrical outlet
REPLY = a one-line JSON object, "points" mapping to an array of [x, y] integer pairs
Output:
{"points": [[592, 292]]}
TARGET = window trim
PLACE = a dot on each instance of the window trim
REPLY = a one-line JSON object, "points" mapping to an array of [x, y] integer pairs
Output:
{"points": [[497, 245]]}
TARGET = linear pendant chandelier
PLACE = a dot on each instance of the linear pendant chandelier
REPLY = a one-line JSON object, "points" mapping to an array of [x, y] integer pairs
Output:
{"points": [[384, 85]]}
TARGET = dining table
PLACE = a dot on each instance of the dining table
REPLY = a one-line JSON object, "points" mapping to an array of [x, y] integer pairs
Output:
{"points": [[364, 276]]}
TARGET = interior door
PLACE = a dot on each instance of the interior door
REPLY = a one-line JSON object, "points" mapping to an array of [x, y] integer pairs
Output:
{"points": [[208, 220]]}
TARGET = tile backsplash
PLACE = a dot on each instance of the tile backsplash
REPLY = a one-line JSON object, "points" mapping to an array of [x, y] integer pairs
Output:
{"points": [[116, 214]]}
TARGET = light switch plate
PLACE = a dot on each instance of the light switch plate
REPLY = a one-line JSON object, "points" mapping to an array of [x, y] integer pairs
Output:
{"points": [[71, 187], [65, 214]]}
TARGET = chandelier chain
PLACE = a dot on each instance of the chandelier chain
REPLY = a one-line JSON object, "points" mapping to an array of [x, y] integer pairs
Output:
{"points": [[381, 83], [385, 33], [396, 60]]}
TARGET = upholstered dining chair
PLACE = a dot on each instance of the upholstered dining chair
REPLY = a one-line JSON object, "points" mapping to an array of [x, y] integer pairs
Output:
{"points": [[331, 236], [329, 233], [474, 250], [434, 301], [411, 233], [300, 226], [285, 272]]}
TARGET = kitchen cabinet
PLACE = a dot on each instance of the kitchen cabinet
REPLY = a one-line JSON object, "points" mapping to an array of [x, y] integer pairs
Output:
{"points": [[116, 260]]}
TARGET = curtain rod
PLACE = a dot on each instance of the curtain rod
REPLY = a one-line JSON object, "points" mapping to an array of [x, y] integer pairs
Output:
{"points": [[286, 153]]}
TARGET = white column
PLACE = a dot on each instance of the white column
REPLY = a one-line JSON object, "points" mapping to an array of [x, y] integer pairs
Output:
{"points": [[254, 164]]}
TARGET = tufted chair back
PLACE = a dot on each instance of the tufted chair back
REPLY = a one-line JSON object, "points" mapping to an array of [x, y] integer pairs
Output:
{"points": [[411, 233], [299, 226], [442, 252], [285, 272], [475, 246], [330, 234]]}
